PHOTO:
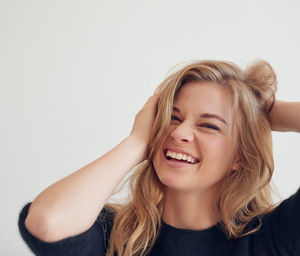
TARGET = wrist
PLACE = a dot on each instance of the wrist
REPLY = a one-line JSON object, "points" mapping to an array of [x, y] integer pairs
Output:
{"points": [[137, 146]]}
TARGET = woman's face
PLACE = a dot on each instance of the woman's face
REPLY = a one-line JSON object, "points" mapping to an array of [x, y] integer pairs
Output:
{"points": [[200, 128]]}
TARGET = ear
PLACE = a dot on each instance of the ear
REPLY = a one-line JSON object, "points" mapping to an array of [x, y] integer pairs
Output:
{"points": [[236, 165]]}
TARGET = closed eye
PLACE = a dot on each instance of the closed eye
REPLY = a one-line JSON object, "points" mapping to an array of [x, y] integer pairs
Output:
{"points": [[175, 118], [210, 126]]}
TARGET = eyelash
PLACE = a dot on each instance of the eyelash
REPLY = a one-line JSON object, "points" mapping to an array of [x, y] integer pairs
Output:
{"points": [[206, 125]]}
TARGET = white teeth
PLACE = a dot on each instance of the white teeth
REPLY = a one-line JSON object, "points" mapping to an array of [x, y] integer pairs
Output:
{"points": [[180, 156]]}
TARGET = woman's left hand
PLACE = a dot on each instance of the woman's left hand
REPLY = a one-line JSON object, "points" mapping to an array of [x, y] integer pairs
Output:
{"points": [[285, 116]]}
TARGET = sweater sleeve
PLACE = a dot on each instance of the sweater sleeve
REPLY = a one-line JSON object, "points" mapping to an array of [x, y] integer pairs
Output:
{"points": [[283, 224], [93, 241]]}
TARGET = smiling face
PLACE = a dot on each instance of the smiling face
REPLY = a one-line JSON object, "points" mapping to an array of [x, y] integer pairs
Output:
{"points": [[201, 129]]}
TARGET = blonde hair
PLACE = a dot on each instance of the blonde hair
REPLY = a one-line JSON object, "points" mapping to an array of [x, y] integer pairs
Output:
{"points": [[243, 194]]}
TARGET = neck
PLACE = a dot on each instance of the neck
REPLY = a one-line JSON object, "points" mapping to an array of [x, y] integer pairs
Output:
{"points": [[189, 210]]}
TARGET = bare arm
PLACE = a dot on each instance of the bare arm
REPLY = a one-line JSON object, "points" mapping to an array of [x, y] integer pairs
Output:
{"points": [[285, 116], [71, 205]]}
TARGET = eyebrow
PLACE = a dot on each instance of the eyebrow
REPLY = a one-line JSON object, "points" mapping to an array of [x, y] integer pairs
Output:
{"points": [[204, 115]]}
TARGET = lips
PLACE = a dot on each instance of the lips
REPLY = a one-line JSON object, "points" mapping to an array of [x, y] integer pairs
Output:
{"points": [[180, 151]]}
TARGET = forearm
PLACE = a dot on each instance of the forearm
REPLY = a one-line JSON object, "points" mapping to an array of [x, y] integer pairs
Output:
{"points": [[285, 116], [71, 205]]}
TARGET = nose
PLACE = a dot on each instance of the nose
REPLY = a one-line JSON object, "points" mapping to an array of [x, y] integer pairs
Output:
{"points": [[182, 133]]}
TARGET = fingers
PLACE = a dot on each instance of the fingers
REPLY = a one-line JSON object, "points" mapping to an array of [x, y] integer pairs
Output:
{"points": [[145, 118], [152, 100]]}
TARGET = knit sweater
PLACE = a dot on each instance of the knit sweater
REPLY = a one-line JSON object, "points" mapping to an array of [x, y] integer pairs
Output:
{"points": [[278, 235]]}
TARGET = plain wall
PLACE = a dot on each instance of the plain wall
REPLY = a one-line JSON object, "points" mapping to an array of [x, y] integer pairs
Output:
{"points": [[73, 75]]}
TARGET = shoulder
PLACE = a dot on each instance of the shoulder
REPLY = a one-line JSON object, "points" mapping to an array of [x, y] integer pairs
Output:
{"points": [[284, 219], [93, 241], [287, 209], [106, 215], [106, 219], [282, 224]]}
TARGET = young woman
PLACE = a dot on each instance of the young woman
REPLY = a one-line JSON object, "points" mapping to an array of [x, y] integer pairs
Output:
{"points": [[204, 148]]}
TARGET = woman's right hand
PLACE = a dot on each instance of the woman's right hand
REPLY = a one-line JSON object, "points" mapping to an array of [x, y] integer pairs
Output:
{"points": [[144, 121], [57, 214]]}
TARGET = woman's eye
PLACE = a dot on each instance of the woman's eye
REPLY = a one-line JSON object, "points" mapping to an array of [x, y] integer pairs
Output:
{"points": [[211, 126], [175, 118]]}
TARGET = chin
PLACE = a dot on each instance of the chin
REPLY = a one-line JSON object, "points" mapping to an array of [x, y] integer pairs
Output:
{"points": [[169, 178], [171, 183]]}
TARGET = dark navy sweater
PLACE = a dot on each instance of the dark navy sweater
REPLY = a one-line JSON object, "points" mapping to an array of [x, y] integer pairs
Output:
{"points": [[279, 235]]}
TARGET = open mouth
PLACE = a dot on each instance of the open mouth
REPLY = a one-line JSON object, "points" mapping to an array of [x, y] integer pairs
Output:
{"points": [[172, 159]]}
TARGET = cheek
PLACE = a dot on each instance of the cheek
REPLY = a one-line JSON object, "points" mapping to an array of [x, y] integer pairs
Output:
{"points": [[220, 143], [155, 160], [218, 152], [214, 145], [157, 164]]}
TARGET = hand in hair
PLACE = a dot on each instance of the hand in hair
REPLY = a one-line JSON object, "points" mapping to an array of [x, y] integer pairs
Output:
{"points": [[284, 116], [71, 205], [144, 121]]}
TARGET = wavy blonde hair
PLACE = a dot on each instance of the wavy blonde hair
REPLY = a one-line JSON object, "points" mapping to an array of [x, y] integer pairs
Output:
{"points": [[243, 194]]}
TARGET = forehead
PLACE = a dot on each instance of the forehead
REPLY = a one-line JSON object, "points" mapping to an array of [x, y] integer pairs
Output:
{"points": [[205, 97]]}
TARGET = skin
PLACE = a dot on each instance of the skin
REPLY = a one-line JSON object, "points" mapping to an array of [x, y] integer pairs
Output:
{"points": [[56, 213], [190, 190], [284, 116]]}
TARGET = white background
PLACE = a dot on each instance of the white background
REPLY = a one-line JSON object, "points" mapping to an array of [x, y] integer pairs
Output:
{"points": [[73, 74]]}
